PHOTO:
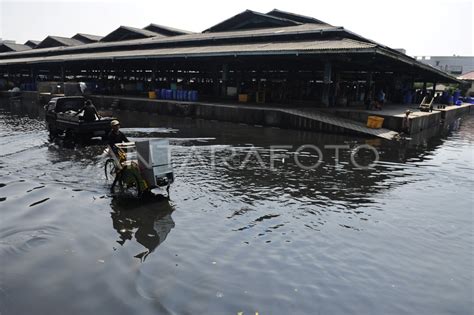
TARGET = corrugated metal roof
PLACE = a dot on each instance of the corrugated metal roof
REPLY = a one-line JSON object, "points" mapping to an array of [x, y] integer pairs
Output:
{"points": [[240, 20], [124, 30], [295, 17], [64, 41], [280, 48], [467, 76], [165, 30], [13, 47], [90, 37], [278, 31], [32, 43]]}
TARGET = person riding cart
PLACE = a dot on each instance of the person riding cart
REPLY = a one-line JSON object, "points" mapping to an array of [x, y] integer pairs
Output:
{"points": [[137, 167]]}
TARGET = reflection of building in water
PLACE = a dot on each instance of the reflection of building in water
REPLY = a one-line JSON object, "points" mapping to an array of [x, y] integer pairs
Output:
{"points": [[149, 222]]}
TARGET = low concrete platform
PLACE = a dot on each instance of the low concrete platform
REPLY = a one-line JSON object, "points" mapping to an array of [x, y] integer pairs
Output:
{"points": [[330, 120], [267, 115], [393, 115]]}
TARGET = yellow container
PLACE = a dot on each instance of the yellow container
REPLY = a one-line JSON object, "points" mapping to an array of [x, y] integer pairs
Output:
{"points": [[243, 98], [375, 122], [152, 94]]}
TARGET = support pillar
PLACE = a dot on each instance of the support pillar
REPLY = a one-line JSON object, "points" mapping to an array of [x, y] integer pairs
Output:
{"points": [[327, 84], [225, 77], [215, 81], [62, 73]]}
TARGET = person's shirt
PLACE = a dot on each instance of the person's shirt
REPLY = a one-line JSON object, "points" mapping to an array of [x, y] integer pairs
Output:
{"points": [[116, 137], [89, 112]]}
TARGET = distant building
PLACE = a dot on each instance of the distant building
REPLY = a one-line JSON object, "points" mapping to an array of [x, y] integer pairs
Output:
{"points": [[469, 77], [455, 65]]}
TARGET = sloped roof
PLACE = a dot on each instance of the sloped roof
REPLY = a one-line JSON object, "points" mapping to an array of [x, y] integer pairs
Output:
{"points": [[8, 47], [265, 48], [237, 36], [295, 17], [55, 41], [87, 38], [32, 43], [128, 32], [250, 20], [165, 30], [315, 30], [467, 76]]}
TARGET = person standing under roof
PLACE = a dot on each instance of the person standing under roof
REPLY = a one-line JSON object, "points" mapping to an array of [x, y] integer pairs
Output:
{"points": [[380, 99]]}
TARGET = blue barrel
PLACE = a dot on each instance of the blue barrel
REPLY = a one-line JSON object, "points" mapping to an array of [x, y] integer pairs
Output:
{"points": [[456, 95], [450, 100], [186, 95], [445, 97], [174, 93], [194, 95], [157, 92]]}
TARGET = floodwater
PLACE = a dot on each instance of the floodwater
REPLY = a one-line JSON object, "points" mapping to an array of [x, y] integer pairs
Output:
{"points": [[237, 235]]}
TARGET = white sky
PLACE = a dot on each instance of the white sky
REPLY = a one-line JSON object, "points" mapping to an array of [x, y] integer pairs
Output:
{"points": [[422, 27]]}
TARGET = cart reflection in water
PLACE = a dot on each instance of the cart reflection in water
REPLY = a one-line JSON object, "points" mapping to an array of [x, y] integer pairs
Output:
{"points": [[148, 221], [138, 168]]}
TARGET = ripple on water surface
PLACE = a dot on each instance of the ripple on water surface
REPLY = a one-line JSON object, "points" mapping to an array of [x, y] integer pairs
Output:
{"points": [[231, 239]]}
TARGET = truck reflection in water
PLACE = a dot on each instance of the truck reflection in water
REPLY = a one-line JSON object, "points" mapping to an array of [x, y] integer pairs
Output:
{"points": [[149, 221]]}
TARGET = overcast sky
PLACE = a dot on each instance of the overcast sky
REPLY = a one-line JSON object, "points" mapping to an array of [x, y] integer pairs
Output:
{"points": [[422, 27]]}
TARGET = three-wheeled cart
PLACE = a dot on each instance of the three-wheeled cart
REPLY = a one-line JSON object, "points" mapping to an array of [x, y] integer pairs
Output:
{"points": [[135, 168]]}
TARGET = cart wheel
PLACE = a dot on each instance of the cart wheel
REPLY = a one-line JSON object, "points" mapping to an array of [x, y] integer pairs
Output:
{"points": [[127, 184], [110, 170]]}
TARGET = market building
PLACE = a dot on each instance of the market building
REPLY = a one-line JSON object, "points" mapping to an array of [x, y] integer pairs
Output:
{"points": [[273, 58]]}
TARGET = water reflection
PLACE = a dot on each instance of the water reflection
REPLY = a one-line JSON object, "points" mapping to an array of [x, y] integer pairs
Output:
{"points": [[286, 237], [149, 221]]}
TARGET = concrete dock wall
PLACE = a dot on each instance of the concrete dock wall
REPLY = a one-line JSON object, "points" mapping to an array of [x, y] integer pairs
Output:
{"points": [[259, 115], [231, 113], [419, 122]]}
